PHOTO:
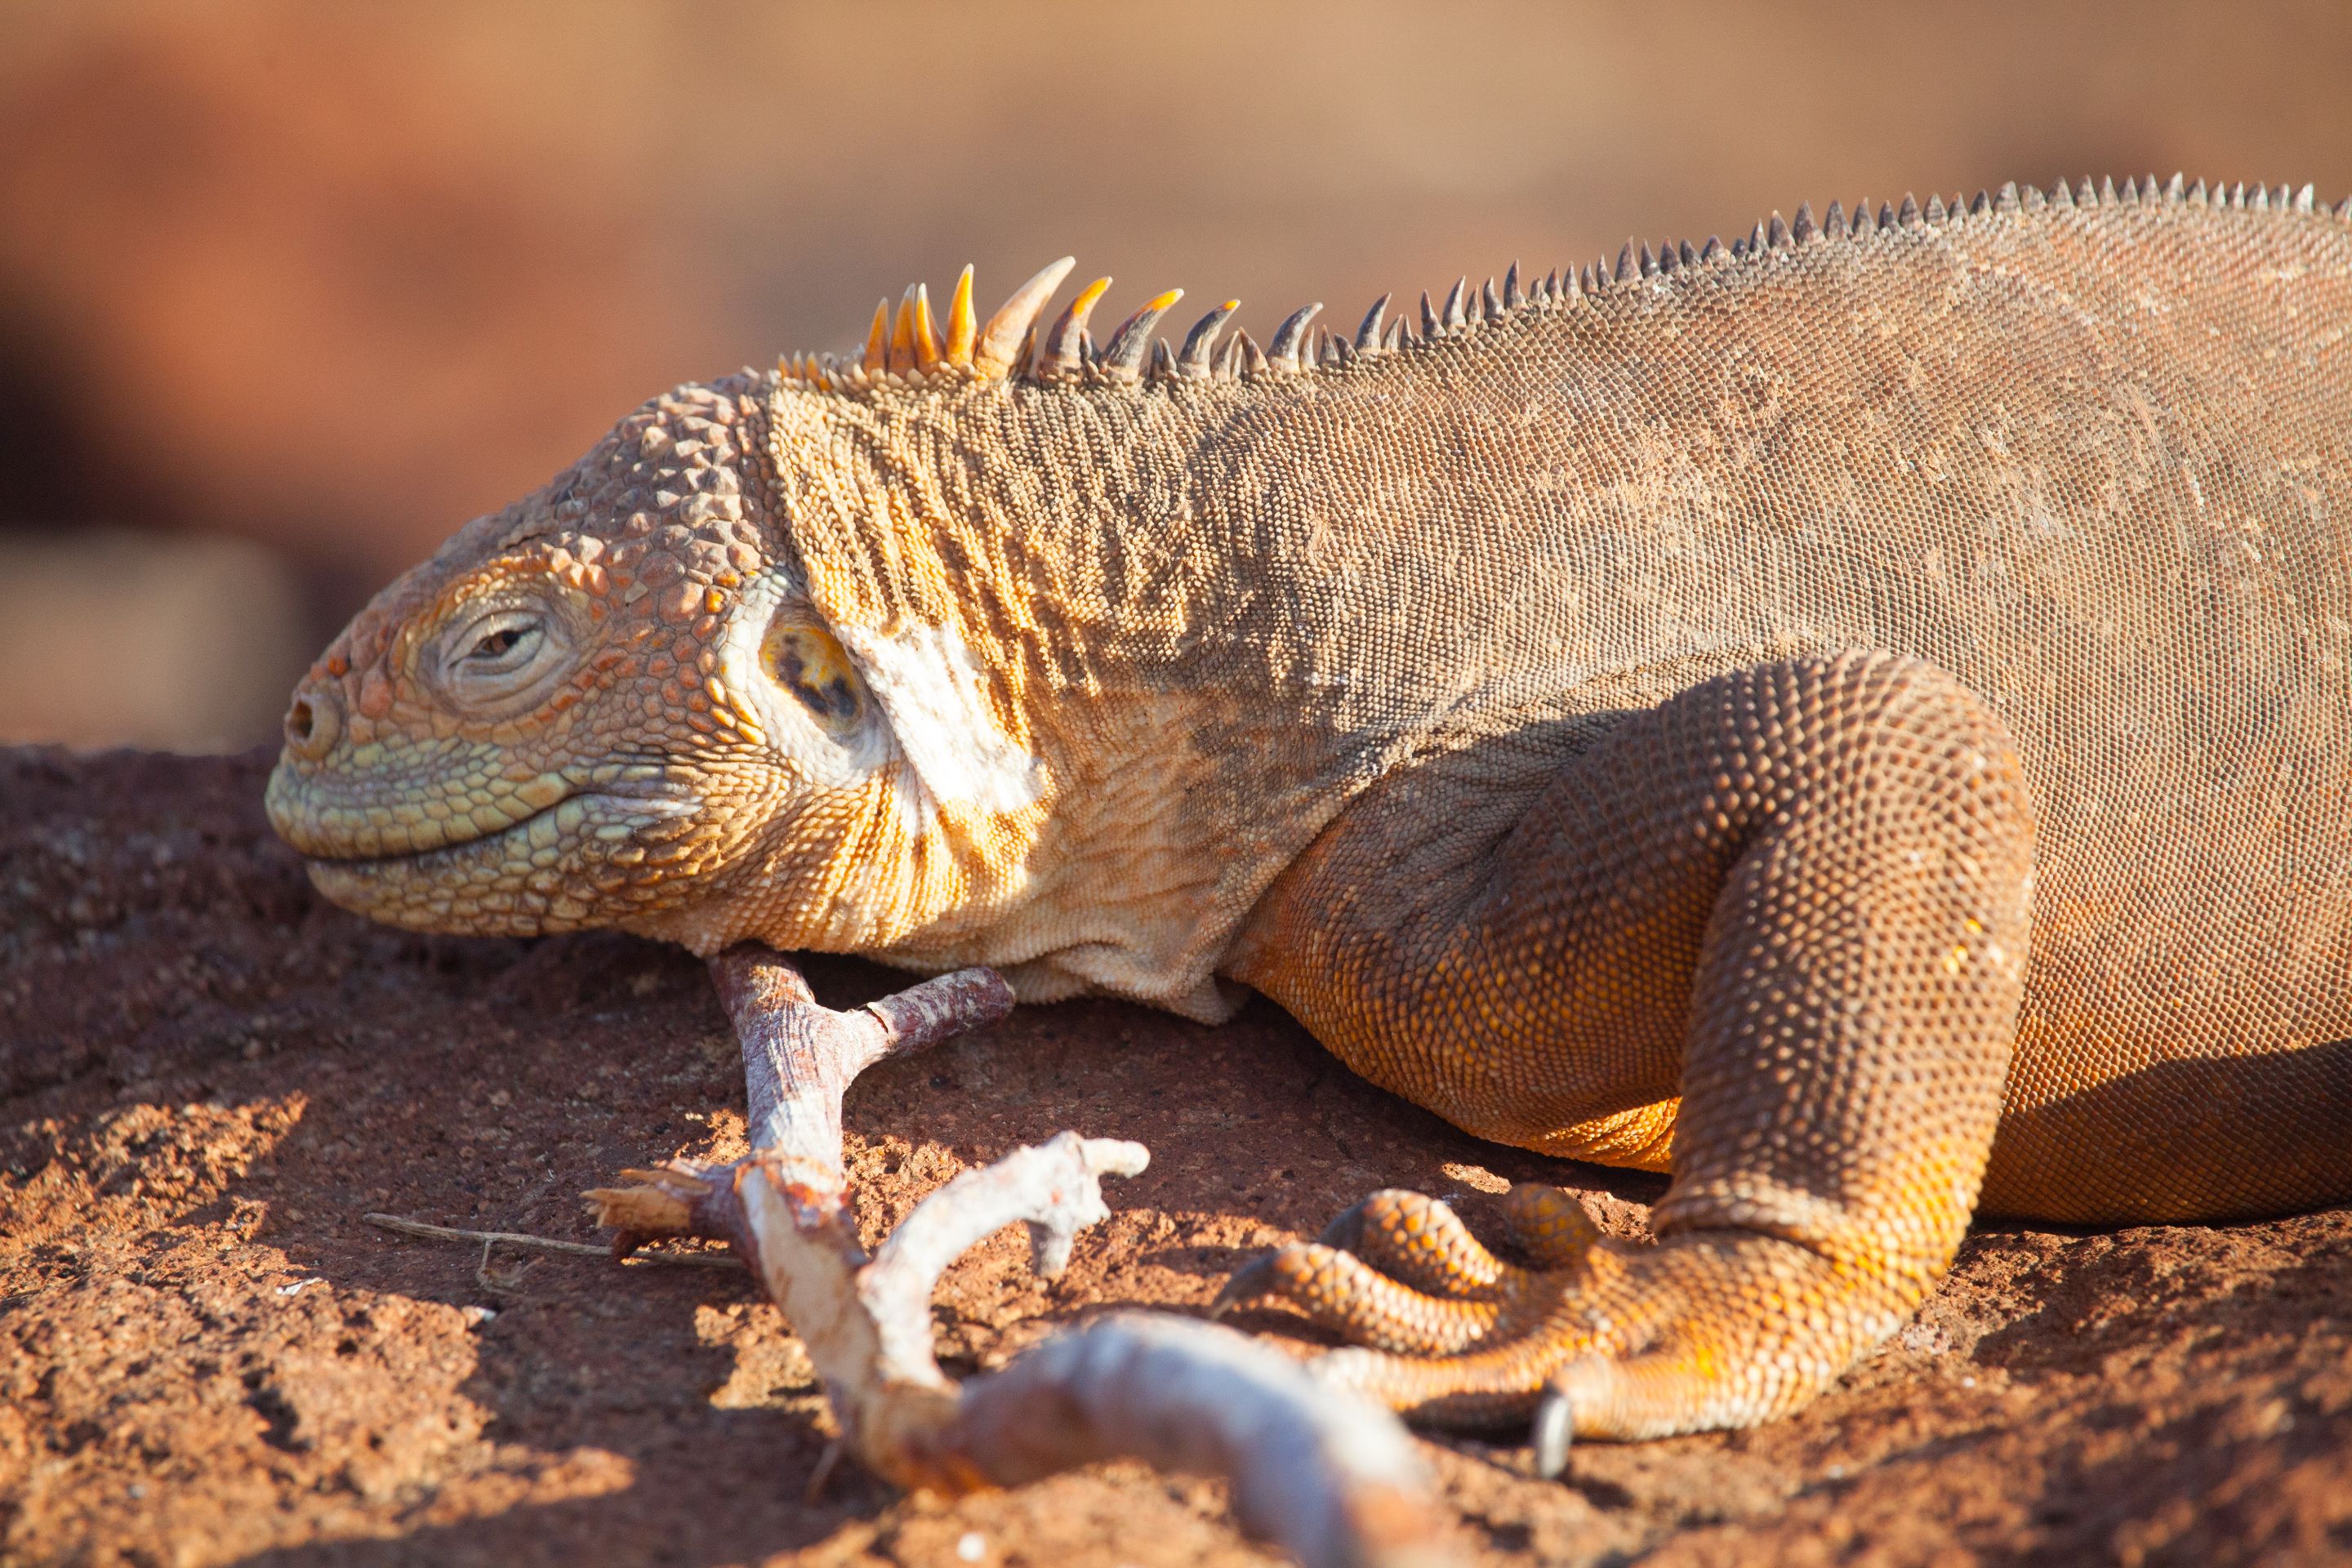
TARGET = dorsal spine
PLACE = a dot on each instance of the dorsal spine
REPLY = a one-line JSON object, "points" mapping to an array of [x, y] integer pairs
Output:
{"points": [[904, 348]]}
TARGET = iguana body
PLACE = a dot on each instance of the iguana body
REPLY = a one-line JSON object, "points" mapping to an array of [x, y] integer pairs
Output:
{"points": [[1862, 723]]}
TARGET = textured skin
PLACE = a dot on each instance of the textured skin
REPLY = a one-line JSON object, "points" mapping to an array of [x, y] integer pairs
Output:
{"points": [[1865, 725]]}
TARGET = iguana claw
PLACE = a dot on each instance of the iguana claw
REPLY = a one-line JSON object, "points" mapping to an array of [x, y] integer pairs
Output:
{"points": [[1551, 1433]]}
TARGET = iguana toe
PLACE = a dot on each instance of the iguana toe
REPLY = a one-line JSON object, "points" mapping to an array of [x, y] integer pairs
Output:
{"points": [[1424, 1299], [1341, 1292], [1420, 1241], [1613, 1340], [1548, 1224]]}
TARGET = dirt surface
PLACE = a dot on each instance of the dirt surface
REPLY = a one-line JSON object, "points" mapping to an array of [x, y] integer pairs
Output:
{"points": [[207, 1357]]}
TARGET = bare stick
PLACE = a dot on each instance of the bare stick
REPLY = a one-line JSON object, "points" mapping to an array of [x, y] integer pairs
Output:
{"points": [[418, 1228], [1331, 1478], [1320, 1470], [1054, 1188], [799, 1059]]}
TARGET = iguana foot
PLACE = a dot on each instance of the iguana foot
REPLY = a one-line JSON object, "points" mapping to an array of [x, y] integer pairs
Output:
{"points": [[1708, 1329]]}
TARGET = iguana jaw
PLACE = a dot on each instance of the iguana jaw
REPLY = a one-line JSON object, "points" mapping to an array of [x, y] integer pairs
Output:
{"points": [[561, 865]]}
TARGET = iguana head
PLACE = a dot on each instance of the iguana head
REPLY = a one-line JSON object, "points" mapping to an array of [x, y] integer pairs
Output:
{"points": [[616, 703]]}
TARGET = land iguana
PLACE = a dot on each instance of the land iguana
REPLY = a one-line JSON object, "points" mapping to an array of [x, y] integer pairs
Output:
{"points": [[1860, 720]]}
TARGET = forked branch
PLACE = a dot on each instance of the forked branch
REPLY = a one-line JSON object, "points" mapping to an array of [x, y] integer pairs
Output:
{"points": [[1318, 1470]]}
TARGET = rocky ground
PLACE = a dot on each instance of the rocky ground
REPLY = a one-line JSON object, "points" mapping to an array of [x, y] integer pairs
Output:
{"points": [[208, 1356]]}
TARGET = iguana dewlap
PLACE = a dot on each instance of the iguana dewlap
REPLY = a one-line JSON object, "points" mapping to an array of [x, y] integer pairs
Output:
{"points": [[1862, 720]]}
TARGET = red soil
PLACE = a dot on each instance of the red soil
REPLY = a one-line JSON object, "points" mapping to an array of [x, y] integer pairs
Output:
{"points": [[207, 1357]]}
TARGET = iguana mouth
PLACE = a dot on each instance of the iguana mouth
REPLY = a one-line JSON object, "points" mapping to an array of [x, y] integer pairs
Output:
{"points": [[525, 878], [322, 822], [475, 840], [519, 829]]}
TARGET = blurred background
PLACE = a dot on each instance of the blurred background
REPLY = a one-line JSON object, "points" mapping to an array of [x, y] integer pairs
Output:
{"points": [[289, 290]]}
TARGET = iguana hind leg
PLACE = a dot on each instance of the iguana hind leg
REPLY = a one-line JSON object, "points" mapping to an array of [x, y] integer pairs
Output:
{"points": [[1780, 920]]}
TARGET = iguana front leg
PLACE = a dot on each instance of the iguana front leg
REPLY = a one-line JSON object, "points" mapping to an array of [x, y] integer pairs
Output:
{"points": [[1772, 935]]}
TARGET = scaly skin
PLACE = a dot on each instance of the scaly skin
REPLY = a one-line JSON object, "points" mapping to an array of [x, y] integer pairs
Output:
{"points": [[1864, 724]]}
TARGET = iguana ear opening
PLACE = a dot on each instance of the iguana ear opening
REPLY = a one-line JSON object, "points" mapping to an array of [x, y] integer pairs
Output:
{"points": [[803, 658], [842, 700], [808, 699]]}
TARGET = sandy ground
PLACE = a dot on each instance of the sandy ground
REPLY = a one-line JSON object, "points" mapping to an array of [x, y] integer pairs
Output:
{"points": [[207, 1357]]}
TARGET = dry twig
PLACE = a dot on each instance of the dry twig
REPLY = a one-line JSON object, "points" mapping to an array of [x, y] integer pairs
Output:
{"points": [[1320, 1471], [419, 1228]]}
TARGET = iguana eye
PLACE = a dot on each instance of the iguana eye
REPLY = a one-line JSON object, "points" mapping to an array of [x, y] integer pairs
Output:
{"points": [[504, 647], [500, 641], [805, 662], [499, 657]]}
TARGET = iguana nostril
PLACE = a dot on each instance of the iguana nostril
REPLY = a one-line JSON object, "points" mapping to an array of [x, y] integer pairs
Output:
{"points": [[312, 725]]}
